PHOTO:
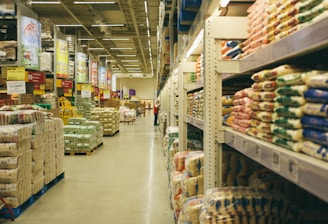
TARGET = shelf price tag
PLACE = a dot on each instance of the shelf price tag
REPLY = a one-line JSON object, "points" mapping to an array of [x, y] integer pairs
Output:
{"points": [[293, 170], [258, 153], [276, 161]]}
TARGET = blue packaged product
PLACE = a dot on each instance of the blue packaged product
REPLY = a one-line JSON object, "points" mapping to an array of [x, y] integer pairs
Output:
{"points": [[316, 95], [317, 136], [313, 122]]}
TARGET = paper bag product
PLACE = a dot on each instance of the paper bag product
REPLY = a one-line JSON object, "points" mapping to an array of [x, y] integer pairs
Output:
{"points": [[194, 162], [10, 162], [296, 90], [313, 122], [9, 175], [14, 133]]}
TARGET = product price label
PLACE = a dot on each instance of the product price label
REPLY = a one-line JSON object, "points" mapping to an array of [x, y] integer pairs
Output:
{"points": [[276, 161], [293, 170]]}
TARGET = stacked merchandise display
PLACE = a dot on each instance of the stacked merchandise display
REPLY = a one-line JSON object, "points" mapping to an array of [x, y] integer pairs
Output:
{"points": [[245, 205], [270, 21], [85, 106], [18, 173], [200, 69], [54, 149], [195, 104], [109, 119], [231, 50], [82, 135]]}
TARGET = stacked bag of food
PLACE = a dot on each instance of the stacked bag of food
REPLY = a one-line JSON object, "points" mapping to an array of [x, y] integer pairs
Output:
{"points": [[54, 149], [236, 168], [242, 110], [81, 136], [227, 109], [231, 50], [315, 119], [289, 103], [200, 69], [192, 185], [244, 205], [307, 206], [16, 164], [273, 20], [38, 147], [109, 119]]}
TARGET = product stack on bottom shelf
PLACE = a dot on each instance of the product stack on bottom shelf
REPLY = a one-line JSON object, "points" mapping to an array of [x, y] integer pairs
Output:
{"points": [[109, 119], [82, 135]]}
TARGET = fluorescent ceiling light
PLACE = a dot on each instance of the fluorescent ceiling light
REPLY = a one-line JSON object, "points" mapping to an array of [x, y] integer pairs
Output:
{"points": [[86, 39], [69, 25], [224, 3], [94, 2], [116, 39], [126, 55], [45, 2], [118, 24], [95, 48], [129, 60], [146, 8], [121, 48]]}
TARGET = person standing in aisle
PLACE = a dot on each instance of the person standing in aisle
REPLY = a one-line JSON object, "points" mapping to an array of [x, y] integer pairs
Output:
{"points": [[156, 110]]}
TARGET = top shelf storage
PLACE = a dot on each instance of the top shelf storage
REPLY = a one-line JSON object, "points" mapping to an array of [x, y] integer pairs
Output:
{"points": [[307, 40]]}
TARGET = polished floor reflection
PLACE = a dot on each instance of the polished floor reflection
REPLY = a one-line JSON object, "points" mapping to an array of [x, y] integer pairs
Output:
{"points": [[123, 182]]}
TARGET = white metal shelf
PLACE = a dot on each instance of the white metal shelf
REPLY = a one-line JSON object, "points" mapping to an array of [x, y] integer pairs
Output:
{"points": [[193, 86], [301, 169], [309, 39], [198, 123]]}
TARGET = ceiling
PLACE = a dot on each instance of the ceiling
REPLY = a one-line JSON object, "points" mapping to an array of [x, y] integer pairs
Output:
{"points": [[134, 30]]}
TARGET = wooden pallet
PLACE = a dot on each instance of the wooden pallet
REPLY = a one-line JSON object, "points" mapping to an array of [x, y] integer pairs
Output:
{"points": [[82, 152], [112, 134]]}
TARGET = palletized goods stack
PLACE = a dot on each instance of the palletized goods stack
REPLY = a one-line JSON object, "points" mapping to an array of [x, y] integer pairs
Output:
{"points": [[109, 118], [18, 175], [16, 164], [54, 149], [38, 147], [81, 135]]}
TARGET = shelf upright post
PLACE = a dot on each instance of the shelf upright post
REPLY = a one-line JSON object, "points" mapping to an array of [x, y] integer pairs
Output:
{"points": [[183, 68], [213, 91]]}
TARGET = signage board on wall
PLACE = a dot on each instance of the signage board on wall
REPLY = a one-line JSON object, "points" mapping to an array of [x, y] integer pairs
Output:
{"points": [[62, 59], [30, 42], [81, 67]]}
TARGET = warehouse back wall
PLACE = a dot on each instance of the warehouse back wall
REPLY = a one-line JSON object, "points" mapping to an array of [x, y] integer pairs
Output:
{"points": [[144, 87]]}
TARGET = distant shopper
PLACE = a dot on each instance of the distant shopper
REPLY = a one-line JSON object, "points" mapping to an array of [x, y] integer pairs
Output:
{"points": [[156, 110]]}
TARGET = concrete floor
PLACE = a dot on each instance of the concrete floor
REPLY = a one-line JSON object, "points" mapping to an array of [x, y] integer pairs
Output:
{"points": [[123, 182]]}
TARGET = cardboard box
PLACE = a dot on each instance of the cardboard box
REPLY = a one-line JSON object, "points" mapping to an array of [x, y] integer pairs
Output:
{"points": [[49, 84]]}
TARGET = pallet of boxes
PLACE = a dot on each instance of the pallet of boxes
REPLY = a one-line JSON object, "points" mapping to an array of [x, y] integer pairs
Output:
{"points": [[109, 119], [24, 171], [82, 136]]}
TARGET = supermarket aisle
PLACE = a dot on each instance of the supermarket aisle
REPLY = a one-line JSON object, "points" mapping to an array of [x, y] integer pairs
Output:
{"points": [[123, 182]]}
